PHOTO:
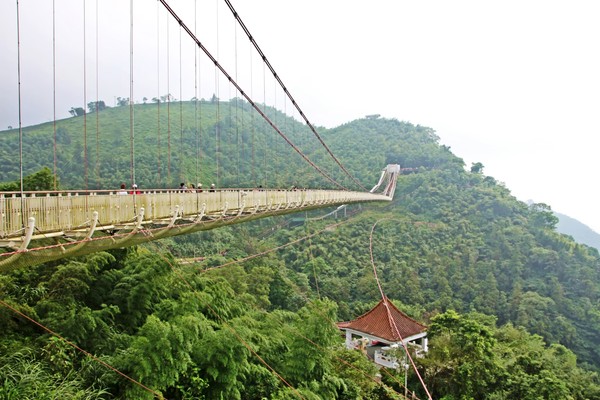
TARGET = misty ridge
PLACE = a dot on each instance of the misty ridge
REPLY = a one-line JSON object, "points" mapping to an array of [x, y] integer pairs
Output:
{"points": [[578, 230]]}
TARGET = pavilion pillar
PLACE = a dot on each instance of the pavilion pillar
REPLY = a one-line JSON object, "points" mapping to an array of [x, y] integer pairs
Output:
{"points": [[349, 340]]}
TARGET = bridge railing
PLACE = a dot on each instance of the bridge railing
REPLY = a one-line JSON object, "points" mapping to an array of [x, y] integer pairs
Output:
{"points": [[70, 210]]}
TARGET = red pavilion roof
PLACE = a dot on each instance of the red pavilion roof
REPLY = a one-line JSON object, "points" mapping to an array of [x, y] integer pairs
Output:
{"points": [[393, 326]]}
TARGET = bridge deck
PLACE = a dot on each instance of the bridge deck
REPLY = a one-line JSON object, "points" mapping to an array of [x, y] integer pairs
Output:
{"points": [[74, 223], [66, 211]]}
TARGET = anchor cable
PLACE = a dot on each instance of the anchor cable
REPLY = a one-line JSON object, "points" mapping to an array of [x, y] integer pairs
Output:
{"points": [[389, 315]]}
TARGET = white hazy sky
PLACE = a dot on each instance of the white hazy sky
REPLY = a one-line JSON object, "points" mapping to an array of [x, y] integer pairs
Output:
{"points": [[512, 84]]}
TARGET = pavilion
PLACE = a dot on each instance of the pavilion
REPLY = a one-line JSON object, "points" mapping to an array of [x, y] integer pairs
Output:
{"points": [[382, 329]]}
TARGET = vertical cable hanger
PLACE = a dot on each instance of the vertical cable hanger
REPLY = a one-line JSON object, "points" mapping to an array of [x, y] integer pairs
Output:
{"points": [[275, 157], [196, 178], [200, 128], [54, 88], [159, 183], [131, 112], [168, 106], [228, 133], [20, 116], [237, 130], [244, 157], [227, 136], [252, 121], [98, 182], [266, 133], [181, 156], [85, 152], [218, 99], [310, 145], [311, 259]]}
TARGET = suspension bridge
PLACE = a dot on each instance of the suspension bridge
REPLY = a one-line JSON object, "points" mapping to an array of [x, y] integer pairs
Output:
{"points": [[40, 226]]}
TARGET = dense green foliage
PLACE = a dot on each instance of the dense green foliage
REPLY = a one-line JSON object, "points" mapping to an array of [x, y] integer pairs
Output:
{"points": [[513, 306], [472, 359], [40, 180], [180, 332]]}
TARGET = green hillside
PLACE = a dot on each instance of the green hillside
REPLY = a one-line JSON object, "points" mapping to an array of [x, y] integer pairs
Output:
{"points": [[171, 143], [513, 306]]}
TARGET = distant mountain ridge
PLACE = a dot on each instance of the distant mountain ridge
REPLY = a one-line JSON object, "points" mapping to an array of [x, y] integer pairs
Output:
{"points": [[578, 230]]}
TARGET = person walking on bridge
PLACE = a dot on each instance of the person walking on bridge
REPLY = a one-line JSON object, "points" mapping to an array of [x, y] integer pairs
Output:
{"points": [[123, 190]]}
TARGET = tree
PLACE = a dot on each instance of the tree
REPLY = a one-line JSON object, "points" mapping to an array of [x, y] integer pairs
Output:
{"points": [[38, 181], [535, 370], [307, 363], [122, 101], [542, 216], [161, 351], [76, 111], [62, 136], [477, 168], [461, 362], [358, 372], [537, 314], [95, 106]]}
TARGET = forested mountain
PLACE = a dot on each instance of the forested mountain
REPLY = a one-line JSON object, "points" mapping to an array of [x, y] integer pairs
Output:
{"points": [[513, 306]]}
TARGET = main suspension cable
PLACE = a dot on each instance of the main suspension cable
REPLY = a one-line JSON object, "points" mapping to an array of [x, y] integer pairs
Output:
{"points": [[289, 95], [254, 105]]}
